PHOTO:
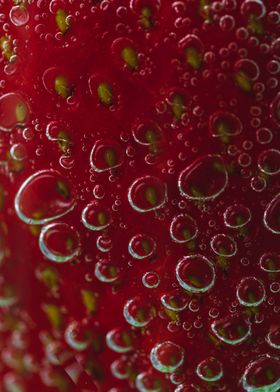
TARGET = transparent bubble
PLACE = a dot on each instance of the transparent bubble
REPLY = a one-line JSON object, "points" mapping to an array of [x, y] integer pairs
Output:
{"points": [[104, 243], [192, 183], [270, 262], [96, 217], [14, 111], [146, 382], [167, 356], [19, 15], [258, 183], [151, 280], [138, 312], [269, 162], [43, 197], [223, 124], [75, 336], [273, 337], [119, 368], [106, 271], [264, 136], [175, 300], [232, 329], [236, 216], [141, 246], [223, 245], [250, 291], [271, 215], [119, 340], [262, 375], [210, 370], [147, 194], [18, 152], [106, 155], [195, 273], [183, 228], [59, 242]]}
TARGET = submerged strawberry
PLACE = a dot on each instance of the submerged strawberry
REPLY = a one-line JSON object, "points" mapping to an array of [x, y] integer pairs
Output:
{"points": [[139, 195]]}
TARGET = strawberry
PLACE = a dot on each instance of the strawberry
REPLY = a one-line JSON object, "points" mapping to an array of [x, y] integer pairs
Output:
{"points": [[139, 195]]}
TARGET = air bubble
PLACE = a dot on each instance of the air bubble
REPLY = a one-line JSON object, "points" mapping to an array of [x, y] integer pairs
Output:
{"points": [[250, 292], [59, 242], [166, 357]]}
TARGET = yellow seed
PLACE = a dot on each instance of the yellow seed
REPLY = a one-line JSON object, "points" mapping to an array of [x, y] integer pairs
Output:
{"points": [[146, 246], [146, 18], [194, 281], [2, 197], [62, 189], [151, 136], [270, 374], [255, 25], [63, 140], [21, 112], [89, 299], [113, 271], [186, 233], [110, 157], [193, 58], [101, 218], [61, 21], [243, 81], [50, 277], [6, 47], [104, 92], [178, 107], [130, 57], [127, 338], [54, 315], [62, 87], [151, 195]]}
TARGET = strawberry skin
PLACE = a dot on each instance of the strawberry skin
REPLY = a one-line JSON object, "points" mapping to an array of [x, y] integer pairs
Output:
{"points": [[139, 195]]}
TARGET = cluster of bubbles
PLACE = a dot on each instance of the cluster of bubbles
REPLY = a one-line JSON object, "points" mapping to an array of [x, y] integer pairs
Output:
{"points": [[171, 211]]}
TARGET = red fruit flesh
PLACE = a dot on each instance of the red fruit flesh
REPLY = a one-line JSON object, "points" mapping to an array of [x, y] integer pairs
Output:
{"points": [[139, 195]]}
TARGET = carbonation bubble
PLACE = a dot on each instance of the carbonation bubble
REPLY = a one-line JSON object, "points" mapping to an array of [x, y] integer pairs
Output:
{"points": [[270, 262], [175, 300], [210, 370], [183, 228], [232, 329], [104, 243], [192, 47], [262, 375], [253, 7], [19, 15], [237, 216], [57, 354], [106, 155], [148, 134], [250, 291], [18, 152], [119, 368], [138, 312], [43, 197], [75, 336], [224, 124], [59, 242], [14, 111], [272, 215], [151, 280], [269, 162], [141, 246], [195, 273], [275, 110], [204, 179], [147, 194], [96, 217], [223, 245], [273, 337], [119, 340], [56, 133], [106, 271], [167, 356], [146, 382]]}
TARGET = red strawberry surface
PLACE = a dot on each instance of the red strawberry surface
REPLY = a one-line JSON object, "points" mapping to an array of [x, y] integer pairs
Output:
{"points": [[139, 196]]}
